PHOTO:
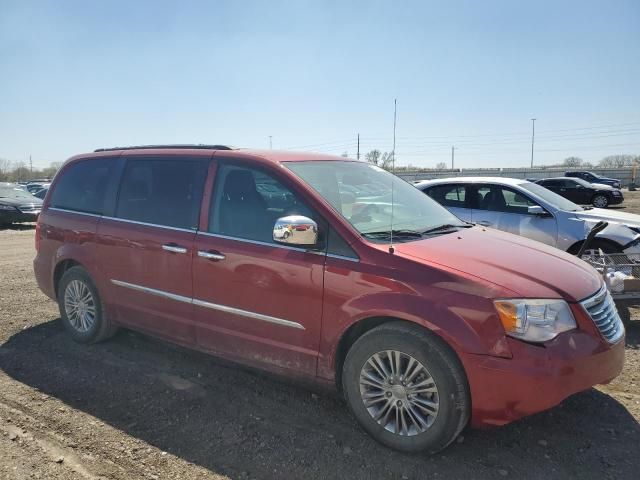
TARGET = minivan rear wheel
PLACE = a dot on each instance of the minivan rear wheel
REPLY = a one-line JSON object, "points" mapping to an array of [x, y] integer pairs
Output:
{"points": [[406, 387], [81, 309]]}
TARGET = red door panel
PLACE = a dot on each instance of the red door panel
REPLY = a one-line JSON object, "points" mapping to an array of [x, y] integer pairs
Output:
{"points": [[149, 284], [261, 304]]}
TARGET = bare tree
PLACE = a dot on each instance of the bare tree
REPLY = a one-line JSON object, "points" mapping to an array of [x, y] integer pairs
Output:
{"points": [[5, 168], [572, 162], [618, 161], [386, 160], [373, 156], [51, 170], [441, 166], [20, 172]]}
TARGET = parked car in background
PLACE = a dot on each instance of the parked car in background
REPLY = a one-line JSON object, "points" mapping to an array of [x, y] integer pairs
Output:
{"points": [[41, 193], [423, 321], [34, 187], [531, 210], [594, 178], [17, 205], [582, 192]]}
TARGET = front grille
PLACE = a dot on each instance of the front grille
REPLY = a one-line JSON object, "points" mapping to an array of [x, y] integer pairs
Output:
{"points": [[604, 314], [30, 208]]}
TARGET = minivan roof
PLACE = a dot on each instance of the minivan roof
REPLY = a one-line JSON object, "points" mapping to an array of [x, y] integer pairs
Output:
{"points": [[200, 149], [189, 146]]}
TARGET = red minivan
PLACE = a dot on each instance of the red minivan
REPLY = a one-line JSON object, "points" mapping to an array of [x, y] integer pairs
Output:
{"points": [[329, 269]]}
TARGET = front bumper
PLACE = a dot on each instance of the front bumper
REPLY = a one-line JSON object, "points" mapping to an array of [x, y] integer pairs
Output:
{"points": [[616, 199], [9, 216], [538, 377]]}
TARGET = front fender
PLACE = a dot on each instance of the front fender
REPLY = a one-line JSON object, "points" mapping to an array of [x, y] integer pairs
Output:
{"points": [[616, 232], [460, 312]]}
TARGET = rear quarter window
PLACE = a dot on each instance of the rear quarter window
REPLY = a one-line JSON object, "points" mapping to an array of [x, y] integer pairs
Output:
{"points": [[82, 186], [448, 195]]}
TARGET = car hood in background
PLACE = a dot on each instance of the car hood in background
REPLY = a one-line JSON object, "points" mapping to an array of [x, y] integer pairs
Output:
{"points": [[608, 215], [15, 202], [525, 267], [602, 186]]}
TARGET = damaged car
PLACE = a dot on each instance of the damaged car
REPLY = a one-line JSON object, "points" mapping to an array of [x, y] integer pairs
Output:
{"points": [[531, 210]]}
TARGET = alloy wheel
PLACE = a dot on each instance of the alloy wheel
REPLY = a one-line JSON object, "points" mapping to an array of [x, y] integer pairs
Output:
{"points": [[399, 393], [79, 306], [600, 201]]}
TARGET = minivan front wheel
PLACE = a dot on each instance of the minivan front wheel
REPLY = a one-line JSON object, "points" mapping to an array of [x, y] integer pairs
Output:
{"points": [[406, 387], [81, 310]]}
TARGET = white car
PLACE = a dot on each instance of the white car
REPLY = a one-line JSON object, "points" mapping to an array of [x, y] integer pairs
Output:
{"points": [[532, 211]]}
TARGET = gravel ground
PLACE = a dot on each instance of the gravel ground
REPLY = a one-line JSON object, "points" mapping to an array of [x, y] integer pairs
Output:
{"points": [[136, 407]]}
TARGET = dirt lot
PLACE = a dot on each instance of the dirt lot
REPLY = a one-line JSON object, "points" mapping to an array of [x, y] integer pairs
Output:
{"points": [[136, 407]]}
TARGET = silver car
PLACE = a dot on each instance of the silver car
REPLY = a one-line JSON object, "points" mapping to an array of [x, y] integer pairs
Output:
{"points": [[530, 210]]}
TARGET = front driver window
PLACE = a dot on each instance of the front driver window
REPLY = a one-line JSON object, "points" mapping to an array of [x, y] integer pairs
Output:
{"points": [[247, 202], [501, 199]]}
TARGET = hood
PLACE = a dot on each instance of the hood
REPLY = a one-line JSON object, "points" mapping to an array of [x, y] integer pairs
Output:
{"points": [[17, 201], [611, 216], [525, 267], [602, 186]]}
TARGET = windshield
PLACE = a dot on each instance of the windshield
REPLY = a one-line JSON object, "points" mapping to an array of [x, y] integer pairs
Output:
{"points": [[595, 175], [362, 194], [548, 196], [14, 192]]}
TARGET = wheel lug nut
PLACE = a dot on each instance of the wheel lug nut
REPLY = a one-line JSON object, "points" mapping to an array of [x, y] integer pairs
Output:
{"points": [[399, 403], [388, 394]]}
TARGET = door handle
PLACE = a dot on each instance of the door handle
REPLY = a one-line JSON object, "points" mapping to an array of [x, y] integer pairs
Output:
{"points": [[217, 256], [485, 223], [172, 247]]}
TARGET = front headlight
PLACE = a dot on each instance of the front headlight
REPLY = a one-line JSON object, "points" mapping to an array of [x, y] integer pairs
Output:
{"points": [[535, 320], [6, 207]]}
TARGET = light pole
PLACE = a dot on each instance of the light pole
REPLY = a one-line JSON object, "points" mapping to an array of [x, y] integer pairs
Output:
{"points": [[270, 142], [452, 150], [533, 137]]}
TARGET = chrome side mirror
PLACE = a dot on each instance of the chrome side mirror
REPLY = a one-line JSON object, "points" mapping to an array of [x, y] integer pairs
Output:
{"points": [[538, 211], [295, 230]]}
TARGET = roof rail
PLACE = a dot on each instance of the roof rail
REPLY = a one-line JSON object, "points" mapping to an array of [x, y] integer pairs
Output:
{"points": [[198, 146]]}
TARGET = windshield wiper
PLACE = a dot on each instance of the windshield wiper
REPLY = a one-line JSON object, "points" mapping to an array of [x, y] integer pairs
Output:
{"points": [[396, 233], [446, 226]]}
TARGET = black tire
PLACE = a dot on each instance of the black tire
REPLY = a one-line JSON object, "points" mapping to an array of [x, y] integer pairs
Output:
{"points": [[443, 366], [600, 200], [101, 328]]}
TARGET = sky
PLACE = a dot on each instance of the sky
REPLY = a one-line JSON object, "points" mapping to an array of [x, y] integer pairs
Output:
{"points": [[312, 75]]}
